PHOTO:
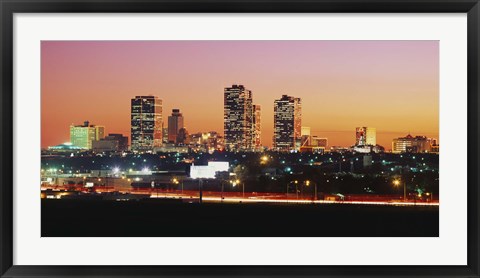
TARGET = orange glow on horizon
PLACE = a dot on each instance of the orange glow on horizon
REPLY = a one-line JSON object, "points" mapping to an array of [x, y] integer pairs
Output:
{"points": [[390, 85]]}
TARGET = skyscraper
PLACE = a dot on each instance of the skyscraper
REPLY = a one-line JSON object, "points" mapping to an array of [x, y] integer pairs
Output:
{"points": [[287, 123], [238, 118], [83, 135], [146, 123], [365, 136], [175, 123], [257, 139]]}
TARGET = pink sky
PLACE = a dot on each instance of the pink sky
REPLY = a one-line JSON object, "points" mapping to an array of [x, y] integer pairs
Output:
{"points": [[390, 85]]}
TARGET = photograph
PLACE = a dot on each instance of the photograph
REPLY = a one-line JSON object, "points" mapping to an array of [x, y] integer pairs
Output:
{"points": [[240, 138]]}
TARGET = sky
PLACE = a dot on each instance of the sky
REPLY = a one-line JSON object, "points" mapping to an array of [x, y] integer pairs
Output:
{"points": [[392, 86]]}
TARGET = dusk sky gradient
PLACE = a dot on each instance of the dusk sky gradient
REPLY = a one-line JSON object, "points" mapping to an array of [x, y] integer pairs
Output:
{"points": [[390, 85]]}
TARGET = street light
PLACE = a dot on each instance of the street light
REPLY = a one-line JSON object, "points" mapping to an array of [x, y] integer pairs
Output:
{"points": [[429, 196], [296, 184], [397, 183], [264, 159], [237, 181], [176, 182], [307, 183]]}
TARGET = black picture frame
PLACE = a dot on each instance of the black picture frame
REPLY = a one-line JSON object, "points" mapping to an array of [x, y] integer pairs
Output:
{"points": [[9, 7]]}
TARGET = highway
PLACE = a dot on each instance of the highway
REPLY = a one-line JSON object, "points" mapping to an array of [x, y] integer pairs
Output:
{"points": [[57, 192]]}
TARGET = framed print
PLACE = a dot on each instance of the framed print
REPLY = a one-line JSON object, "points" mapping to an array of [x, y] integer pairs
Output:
{"points": [[240, 138]]}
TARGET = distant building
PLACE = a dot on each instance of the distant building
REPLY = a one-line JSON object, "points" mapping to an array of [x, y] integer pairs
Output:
{"points": [[111, 143], [312, 144], [319, 141], [368, 149], [367, 161], [146, 123], [305, 131], [287, 123], [417, 144], [306, 138], [365, 136], [171, 148], [362, 148], [175, 123], [238, 118], [65, 148], [182, 136], [257, 128], [164, 134], [208, 142], [339, 149], [83, 135]]}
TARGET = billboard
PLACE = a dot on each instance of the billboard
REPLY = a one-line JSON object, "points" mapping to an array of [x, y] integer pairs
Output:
{"points": [[208, 171], [219, 166]]}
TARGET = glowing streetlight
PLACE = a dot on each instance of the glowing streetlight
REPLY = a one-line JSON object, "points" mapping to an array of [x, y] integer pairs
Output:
{"points": [[264, 159], [237, 182], [397, 183], [307, 183]]}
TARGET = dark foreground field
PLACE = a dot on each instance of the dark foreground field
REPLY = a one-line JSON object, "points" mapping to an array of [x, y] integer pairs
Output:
{"points": [[156, 218]]}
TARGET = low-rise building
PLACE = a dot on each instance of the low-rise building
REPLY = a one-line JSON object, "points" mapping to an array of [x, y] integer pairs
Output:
{"points": [[417, 144], [111, 143]]}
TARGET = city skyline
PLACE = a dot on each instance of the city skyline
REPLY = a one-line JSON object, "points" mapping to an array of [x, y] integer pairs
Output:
{"points": [[392, 86]]}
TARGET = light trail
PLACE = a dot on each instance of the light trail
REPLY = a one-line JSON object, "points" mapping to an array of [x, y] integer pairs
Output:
{"points": [[215, 197], [249, 200]]}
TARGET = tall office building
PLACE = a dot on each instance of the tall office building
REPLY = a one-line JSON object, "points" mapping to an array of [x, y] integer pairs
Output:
{"points": [[287, 123], [83, 135], [175, 123], [365, 136], [238, 118], [257, 133], [146, 123]]}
